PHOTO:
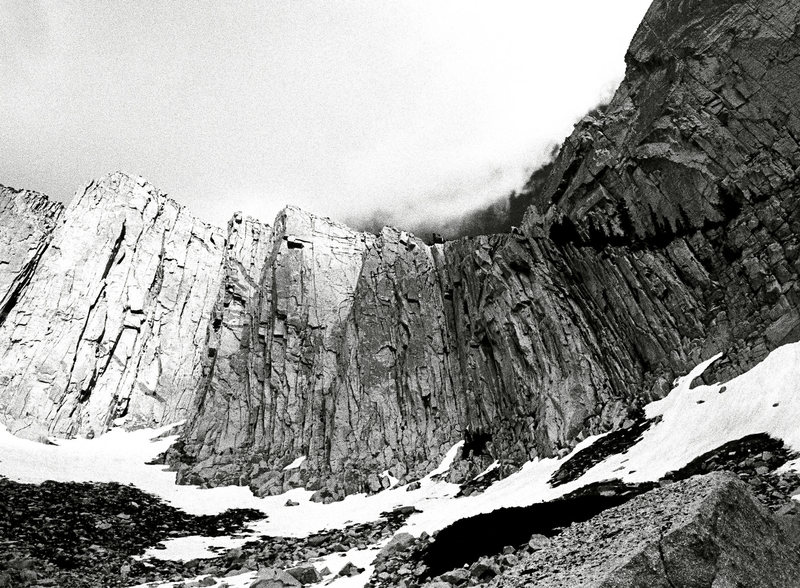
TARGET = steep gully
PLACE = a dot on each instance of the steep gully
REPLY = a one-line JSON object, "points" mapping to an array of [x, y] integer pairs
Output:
{"points": [[667, 231]]}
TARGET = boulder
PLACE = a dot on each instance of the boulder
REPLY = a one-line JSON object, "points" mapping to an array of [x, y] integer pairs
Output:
{"points": [[397, 544], [707, 530], [305, 574], [537, 542], [272, 578]]}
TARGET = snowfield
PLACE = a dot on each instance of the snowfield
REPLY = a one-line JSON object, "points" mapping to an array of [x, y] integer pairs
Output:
{"points": [[765, 399]]}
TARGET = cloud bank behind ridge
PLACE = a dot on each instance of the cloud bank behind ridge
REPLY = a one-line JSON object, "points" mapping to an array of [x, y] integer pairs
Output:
{"points": [[406, 111]]}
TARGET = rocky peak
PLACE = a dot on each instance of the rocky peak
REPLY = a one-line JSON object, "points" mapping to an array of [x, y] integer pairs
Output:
{"points": [[118, 303]]}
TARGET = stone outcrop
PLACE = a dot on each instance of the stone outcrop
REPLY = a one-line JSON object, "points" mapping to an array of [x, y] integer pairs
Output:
{"points": [[113, 322], [707, 531], [27, 220], [666, 231]]}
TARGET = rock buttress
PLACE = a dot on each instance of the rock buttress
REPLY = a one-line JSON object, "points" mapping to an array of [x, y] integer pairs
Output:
{"points": [[113, 321]]}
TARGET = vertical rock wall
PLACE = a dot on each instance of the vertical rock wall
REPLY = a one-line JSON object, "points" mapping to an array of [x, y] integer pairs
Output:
{"points": [[683, 195], [667, 232], [27, 220], [277, 323], [113, 321]]}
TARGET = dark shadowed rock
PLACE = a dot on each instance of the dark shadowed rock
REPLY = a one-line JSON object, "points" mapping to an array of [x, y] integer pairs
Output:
{"points": [[305, 574], [350, 569], [706, 531]]}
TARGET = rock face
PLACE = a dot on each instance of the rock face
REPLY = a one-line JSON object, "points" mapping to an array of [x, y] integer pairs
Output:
{"points": [[27, 220], [707, 531], [676, 210], [113, 322], [667, 231]]}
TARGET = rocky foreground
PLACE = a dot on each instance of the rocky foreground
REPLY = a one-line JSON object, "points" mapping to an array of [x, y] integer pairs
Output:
{"points": [[706, 531], [86, 535], [691, 529]]}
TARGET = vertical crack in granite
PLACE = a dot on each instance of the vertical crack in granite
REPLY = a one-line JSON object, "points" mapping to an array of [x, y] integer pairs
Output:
{"points": [[667, 574]]}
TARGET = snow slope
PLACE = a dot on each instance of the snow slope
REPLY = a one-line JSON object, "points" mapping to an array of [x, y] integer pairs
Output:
{"points": [[766, 399]]}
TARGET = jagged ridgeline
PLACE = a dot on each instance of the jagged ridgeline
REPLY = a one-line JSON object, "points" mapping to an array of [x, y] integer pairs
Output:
{"points": [[667, 231]]}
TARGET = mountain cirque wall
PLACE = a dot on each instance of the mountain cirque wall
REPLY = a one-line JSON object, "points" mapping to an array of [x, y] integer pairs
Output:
{"points": [[667, 231], [676, 211]]}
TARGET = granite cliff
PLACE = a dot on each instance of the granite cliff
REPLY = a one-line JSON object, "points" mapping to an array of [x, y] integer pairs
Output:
{"points": [[667, 231]]}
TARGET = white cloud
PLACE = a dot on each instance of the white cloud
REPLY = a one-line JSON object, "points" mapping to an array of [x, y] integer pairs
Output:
{"points": [[343, 109]]}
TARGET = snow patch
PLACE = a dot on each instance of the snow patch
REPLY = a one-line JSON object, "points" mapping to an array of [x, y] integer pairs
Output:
{"points": [[448, 460], [361, 558], [295, 464], [195, 547], [765, 399], [392, 480], [491, 468]]}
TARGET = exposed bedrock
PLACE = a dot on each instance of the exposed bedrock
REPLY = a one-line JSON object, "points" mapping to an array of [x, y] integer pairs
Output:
{"points": [[113, 321], [27, 220], [681, 199], [666, 232]]}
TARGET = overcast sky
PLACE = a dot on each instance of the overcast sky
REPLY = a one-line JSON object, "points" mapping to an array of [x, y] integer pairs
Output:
{"points": [[421, 109]]}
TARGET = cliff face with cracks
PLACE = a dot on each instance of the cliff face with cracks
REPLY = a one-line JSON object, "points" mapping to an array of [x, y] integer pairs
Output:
{"points": [[113, 321], [27, 220], [667, 231], [682, 197]]}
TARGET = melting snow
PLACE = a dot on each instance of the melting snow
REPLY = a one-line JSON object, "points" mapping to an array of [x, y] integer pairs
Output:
{"points": [[392, 480], [491, 468], [765, 399], [196, 547], [449, 457], [361, 558]]}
